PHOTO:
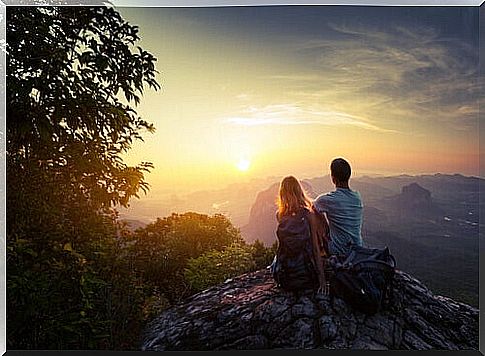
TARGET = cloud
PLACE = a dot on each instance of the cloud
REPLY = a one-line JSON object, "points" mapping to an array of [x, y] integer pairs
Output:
{"points": [[243, 97], [400, 76], [218, 206], [292, 114]]}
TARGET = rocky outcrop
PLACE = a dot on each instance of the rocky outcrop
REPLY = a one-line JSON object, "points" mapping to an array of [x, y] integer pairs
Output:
{"points": [[250, 312], [415, 200]]}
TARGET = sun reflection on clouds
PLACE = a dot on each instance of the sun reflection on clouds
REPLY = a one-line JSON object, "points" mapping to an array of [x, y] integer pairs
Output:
{"points": [[290, 114]]}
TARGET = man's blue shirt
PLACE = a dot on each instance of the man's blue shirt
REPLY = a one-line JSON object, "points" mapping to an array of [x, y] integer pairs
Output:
{"points": [[343, 208]]}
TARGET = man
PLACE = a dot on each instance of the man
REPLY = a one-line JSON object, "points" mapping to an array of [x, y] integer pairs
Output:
{"points": [[343, 209]]}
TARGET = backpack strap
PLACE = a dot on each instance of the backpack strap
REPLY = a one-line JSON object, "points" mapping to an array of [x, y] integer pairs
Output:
{"points": [[371, 263], [393, 260]]}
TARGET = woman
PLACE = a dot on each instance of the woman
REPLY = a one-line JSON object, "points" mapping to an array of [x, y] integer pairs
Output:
{"points": [[300, 232]]}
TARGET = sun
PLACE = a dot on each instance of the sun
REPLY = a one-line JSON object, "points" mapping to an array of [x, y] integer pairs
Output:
{"points": [[243, 164]]}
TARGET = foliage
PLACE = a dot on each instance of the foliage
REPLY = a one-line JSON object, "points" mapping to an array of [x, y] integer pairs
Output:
{"points": [[215, 267], [66, 70], [263, 256], [161, 250], [72, 295], [67, 127]]}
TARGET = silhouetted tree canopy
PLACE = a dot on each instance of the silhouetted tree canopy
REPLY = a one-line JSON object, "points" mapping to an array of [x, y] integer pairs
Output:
{"points": [[73, 75]]}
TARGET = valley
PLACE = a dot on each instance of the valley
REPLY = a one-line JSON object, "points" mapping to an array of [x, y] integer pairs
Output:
{"points": [[431, 223]]}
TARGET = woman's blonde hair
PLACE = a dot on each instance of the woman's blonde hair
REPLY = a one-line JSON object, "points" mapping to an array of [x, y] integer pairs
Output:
{"points": [[291, 197]]}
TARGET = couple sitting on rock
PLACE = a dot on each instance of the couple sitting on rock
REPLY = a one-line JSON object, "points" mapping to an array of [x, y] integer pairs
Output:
{"points": [[311, 231]]}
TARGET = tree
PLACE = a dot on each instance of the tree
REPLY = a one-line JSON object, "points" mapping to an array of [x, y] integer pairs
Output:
{"points": [[161, 250], [262, 256], [74, 78], [66, 69]]}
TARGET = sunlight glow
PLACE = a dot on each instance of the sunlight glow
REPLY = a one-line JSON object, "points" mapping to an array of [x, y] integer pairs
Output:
{"points": [[243, 164]]}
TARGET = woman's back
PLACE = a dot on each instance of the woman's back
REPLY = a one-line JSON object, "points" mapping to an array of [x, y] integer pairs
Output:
{"points": [[295, 268], [294, 229]]}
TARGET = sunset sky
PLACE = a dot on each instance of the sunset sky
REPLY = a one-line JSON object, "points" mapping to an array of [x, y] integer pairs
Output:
{"points": [[253, 92]]}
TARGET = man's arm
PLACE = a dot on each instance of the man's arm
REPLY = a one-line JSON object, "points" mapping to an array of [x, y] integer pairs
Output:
{"points": [[319, 205]]}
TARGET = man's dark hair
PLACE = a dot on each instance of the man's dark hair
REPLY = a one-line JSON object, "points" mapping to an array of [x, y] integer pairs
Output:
{"points": [[340, 170]]}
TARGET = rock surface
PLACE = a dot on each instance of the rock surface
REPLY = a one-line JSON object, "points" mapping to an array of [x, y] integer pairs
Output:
{"points": [[250, 312]]}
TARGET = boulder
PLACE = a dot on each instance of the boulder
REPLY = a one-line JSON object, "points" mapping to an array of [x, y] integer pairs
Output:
{"points": [[250, 312]]}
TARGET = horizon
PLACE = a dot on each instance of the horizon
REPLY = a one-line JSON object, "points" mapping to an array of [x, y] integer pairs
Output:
{"points": [[355, 175], [250, 92], [154, 202]]}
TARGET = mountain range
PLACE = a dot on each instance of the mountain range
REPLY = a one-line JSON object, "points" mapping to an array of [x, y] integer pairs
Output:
{"points": [[431, 223]]}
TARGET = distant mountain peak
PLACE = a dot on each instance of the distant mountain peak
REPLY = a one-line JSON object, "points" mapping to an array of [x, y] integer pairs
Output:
{"points": [[414, 190], [415, 200]]}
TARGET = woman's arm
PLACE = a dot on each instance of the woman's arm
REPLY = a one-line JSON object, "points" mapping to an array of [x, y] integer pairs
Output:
{"points": [[316, 228]]}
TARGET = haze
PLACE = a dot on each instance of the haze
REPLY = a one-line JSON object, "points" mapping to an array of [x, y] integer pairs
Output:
{"points": [[252, 92]]}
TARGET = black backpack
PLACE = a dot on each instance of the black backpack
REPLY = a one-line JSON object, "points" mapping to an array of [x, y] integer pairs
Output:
{"points": [[363, 278], [294, 268]]}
